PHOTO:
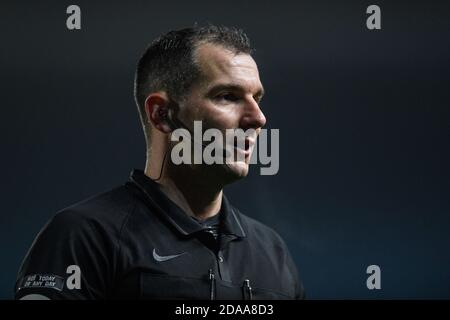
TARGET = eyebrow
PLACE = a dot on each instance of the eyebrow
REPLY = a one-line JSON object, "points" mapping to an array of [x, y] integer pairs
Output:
{"points": [[233, 87]]}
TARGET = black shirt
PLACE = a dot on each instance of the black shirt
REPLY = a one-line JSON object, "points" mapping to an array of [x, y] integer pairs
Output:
{"points": [[211, 225], [134, 242]]}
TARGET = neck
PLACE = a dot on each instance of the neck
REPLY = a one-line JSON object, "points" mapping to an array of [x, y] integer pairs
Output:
{"points": [[196, 193]]}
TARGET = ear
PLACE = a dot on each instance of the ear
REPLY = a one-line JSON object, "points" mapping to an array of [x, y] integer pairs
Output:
{"points": [[157, 111]]}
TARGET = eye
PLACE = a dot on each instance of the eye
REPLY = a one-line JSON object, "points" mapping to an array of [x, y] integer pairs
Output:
{"points": [[227, 97]]}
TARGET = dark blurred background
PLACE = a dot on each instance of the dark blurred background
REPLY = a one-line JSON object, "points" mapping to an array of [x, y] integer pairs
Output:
{"points": [[363, 116]]}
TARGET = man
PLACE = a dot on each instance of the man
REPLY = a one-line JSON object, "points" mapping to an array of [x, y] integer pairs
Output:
{"points": [[170, 232]]}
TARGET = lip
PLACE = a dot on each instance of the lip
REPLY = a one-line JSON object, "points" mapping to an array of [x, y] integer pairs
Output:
{"points": [[249, 143]]}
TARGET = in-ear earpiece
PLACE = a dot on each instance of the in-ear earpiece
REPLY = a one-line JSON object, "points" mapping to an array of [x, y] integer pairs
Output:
{"points": [[162, 112]]}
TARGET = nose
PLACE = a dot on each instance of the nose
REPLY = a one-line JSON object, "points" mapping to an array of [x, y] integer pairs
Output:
{"points": [[253, 117]]}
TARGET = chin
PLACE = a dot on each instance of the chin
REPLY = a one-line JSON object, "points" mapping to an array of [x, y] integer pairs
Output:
{"points": [[238, 169], [229, 173]]}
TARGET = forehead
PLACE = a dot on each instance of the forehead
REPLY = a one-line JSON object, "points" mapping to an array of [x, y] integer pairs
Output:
{"points": [[221, 65]]}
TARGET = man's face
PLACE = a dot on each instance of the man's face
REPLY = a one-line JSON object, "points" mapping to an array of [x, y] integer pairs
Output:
{"points": [[226, 97]]}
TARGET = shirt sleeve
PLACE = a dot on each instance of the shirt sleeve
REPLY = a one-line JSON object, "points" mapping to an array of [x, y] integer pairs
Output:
{"points": [[71, 258]]}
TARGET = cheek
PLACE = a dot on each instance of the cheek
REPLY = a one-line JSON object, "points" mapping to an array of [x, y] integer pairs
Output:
{"points": [[220, 117], [225, 120]]}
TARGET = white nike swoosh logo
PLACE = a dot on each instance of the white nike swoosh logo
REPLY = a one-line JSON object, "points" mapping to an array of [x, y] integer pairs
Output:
{"points": [[159, 258]]}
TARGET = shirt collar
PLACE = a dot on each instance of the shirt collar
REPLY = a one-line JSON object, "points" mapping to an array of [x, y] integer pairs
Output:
{"points": [[173, 214]]}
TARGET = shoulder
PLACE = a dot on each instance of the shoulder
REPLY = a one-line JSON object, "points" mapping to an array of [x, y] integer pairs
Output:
{"points": [[88, 233], [105, 213], [85, 235]]}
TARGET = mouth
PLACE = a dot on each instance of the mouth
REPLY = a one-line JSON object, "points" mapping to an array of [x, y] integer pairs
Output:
{"points": [[248, 147]]}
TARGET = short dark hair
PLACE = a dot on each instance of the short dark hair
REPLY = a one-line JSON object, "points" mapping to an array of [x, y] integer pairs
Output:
{"points": [[168, 63]]}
